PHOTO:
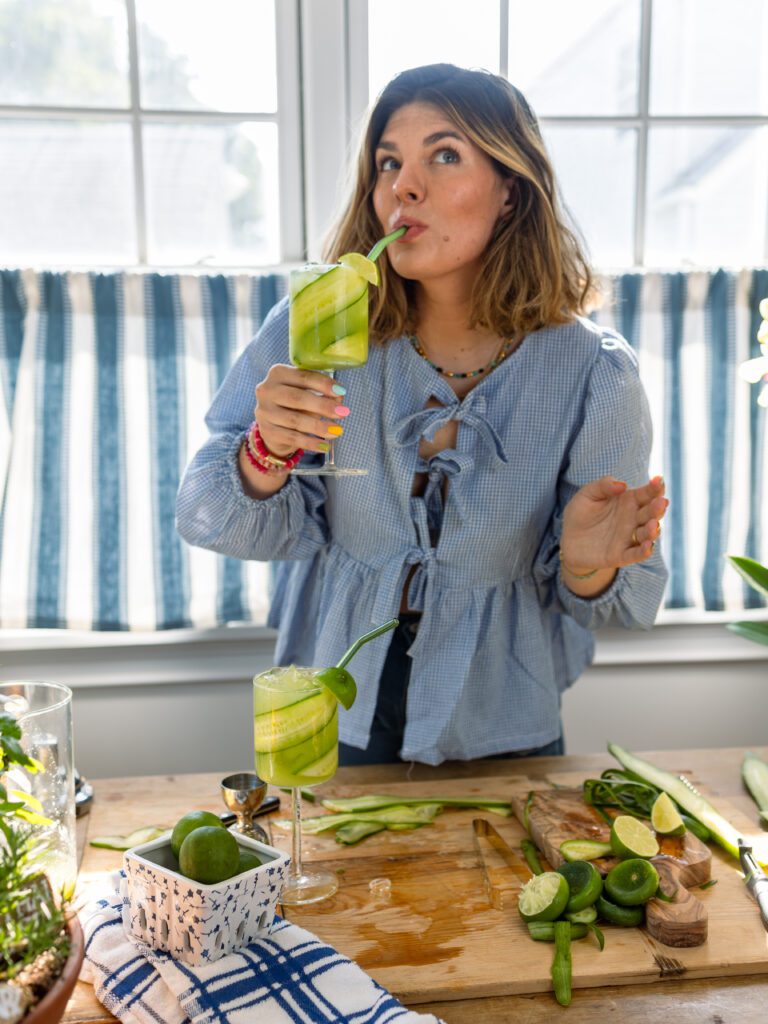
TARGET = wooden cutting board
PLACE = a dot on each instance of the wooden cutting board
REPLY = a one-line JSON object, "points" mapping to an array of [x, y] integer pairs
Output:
{"points": [[435, 934], [557, 815]]}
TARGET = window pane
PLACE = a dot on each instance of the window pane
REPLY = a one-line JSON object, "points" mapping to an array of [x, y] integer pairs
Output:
{"points": [[576, 58], [207, 55], [706, 196], [709, 58], [66, 193], [405, 34], [596, 171], [212, 193], [64, 53]]}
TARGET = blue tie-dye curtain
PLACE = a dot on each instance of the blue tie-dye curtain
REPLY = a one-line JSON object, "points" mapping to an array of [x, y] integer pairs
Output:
{"points": [[105, 378]]}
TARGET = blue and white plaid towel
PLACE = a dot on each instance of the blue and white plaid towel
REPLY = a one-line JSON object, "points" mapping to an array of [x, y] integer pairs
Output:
{"points": [[291, 977]]}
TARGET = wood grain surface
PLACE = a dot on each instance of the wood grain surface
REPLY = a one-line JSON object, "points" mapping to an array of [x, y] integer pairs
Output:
{"points": [[439, 944]]}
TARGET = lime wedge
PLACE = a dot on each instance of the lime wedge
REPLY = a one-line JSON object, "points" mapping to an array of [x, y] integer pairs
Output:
{"points": [[340, 683], [665, 816], [361, 265], [631, 838], [544, 898]]}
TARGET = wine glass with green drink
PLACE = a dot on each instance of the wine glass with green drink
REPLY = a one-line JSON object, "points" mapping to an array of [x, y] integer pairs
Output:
{"points": [[297, 745], [328, 324]]}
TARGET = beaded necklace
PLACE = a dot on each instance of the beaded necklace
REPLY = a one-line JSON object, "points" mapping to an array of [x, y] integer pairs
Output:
{"points": [[501, 355]]}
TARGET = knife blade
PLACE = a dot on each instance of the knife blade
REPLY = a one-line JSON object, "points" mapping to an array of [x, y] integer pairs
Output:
{"points": [[755, 879], [498, 885]]}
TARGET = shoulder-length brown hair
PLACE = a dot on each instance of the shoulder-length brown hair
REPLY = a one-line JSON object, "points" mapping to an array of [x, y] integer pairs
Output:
{"points": [[534, 272]]}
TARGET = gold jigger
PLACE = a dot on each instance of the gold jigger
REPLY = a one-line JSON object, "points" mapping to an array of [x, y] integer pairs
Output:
{"points": [[244, 793]]}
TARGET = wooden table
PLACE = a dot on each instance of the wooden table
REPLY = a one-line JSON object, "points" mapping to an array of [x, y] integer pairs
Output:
{"points": [[123, 804]]}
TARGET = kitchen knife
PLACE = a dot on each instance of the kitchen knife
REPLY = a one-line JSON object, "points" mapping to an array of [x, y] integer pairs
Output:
{"points": [[755, 878]]}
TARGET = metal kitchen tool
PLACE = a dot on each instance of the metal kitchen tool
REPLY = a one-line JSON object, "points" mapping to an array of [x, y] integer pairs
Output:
{"points": [[755, 878], [244, 793], [497, 857]]}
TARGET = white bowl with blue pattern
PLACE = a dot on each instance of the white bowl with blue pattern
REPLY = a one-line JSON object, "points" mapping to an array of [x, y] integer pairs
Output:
{"points": [[198, 923]]}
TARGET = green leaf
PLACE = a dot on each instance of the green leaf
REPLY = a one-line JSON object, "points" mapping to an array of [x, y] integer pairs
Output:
{"points": [[32, 817], [753, 572], [29, 800], [755, 631]]}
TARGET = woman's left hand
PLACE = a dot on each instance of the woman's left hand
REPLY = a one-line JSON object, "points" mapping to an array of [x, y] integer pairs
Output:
{"points": [[606, 525]]}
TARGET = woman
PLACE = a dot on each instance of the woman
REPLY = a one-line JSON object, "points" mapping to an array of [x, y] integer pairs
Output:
{"points": [[507, 510]]}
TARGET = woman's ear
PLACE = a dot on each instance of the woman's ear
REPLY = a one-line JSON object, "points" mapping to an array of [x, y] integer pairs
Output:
{"points": [[510, 195]]}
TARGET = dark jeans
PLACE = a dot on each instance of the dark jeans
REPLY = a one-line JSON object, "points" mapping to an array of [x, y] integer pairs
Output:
{"points": [[389, 718]]}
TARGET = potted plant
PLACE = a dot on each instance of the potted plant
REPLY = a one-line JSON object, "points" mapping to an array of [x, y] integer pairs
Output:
{"points": [[756, 576], [41, 945]]}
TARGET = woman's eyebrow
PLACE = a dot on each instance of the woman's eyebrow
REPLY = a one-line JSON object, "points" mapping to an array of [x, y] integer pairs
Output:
{"points": [[430, 140]]}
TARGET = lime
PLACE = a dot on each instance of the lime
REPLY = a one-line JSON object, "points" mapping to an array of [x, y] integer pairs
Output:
{"points": [[585, 916], [209, 855], [361, 265], [190, 821], [340, 683], [625, 917], [632, 882], [544, 897], [249, 860], [665, 816], [631, 838], [584, 883]]}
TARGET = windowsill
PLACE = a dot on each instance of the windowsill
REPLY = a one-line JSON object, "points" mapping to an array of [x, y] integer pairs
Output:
{"points": [[231, 653]]}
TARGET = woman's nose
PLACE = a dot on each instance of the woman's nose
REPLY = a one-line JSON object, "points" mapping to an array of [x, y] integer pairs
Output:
{"points": [[407, 187]]}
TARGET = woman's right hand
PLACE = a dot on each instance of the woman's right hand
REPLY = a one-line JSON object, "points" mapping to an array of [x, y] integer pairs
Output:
{"points": [[298, 409]]}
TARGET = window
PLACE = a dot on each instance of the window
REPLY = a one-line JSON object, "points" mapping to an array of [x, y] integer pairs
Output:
{"points": [[655, 114], [149, 132]]}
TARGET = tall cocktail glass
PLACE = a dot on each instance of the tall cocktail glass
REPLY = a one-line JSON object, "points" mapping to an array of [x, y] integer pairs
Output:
{"points": [[297, 744], [328, 331]]}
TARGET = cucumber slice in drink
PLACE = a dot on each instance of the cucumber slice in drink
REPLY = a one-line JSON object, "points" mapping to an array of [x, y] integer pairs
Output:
{"points": [[289, 726], [290, 766], [326, 296], [324, 768]]}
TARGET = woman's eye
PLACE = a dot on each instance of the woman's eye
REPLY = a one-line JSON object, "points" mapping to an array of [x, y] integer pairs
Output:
{"points": [[388, 163], [446, 156]]}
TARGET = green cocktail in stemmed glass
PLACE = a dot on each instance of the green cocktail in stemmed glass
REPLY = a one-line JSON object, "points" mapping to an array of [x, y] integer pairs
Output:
{"points": [[296, 738], [328, 324]]}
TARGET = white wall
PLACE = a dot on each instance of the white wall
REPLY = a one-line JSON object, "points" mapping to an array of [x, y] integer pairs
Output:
{"points": [[182, 702]]}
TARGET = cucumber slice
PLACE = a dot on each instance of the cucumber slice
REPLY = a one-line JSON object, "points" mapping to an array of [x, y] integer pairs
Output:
{"points": [[313, 333], [324, 767], [137, 838], [585, 849], [289, 726], [289, 766], [325, 297]]}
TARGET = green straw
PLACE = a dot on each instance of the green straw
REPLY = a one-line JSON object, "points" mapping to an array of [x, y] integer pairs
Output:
{"points": [[382, 243], [366, 637]]}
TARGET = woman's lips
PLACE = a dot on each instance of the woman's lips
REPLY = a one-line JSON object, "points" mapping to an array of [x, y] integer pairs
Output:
{"points": [[413, 232]]}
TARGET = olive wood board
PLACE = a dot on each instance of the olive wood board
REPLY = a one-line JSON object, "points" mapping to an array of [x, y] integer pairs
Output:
{"points": [[683, 863], [436, 936]]}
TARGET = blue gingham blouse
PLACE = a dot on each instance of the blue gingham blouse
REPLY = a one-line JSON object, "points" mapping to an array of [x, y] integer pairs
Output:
{"points": [[501, 636]]}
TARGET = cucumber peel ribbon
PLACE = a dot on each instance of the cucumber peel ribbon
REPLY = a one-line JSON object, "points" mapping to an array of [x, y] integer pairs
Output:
{"points": [[382, 243], [721, 830]]}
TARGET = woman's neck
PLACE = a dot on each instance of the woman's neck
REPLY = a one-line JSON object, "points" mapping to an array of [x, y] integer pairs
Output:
{"points": [[443, 328]]}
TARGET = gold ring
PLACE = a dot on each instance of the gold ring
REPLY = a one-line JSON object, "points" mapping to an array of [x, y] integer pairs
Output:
{"points": [[635, 541]]}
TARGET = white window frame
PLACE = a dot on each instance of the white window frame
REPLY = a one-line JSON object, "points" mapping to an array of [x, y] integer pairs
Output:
{"points": [[287, 118]]}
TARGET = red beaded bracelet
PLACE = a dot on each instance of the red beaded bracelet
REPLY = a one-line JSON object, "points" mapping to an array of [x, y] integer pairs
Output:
{"points": [[262, 459]]}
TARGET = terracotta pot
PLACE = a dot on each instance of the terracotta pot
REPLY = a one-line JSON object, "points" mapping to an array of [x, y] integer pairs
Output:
{"points": [[51, 1007]]}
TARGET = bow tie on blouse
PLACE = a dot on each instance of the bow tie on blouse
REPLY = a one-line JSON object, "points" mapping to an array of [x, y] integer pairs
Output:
{"points": [[471, 412]]}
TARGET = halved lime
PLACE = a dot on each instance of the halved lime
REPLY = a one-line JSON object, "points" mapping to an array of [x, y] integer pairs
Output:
{"points": [[544, 897], [665, 816], [584, 849], [361, 265], [632, 882], [631, 838], [624, 917], [584, 883]]}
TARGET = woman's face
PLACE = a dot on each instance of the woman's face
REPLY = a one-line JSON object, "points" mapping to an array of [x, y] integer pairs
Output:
{"points": [[431, 177]]}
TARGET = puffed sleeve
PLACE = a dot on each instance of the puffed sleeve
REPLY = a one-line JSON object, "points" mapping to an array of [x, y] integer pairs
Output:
{"points": [[212, 510], [614, 439]]}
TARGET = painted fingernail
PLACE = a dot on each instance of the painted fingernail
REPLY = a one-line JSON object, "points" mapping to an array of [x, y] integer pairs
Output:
{"points": [[323, 446], [335, 430], [337, 389], [341, 411]]}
